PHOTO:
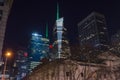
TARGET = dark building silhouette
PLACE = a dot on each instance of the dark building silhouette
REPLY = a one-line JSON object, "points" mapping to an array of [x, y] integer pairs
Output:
{"points": [[115, 43], [115, 39], [93, 31]]}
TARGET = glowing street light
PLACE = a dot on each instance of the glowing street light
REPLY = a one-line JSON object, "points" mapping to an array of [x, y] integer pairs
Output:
{"points": [[7, 55]]}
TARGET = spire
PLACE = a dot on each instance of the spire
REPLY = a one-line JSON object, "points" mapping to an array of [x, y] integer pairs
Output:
{"points": [[57, 11], [46, 34]]}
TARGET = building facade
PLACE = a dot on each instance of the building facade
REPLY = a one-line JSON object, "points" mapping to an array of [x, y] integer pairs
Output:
{"points": [[38, 50], [93, 31], [5, 6], [61, 47]]}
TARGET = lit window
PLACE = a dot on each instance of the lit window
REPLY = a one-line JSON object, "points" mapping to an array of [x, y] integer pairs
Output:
{"points": [[101, 32], [88, 38], [104, 28], [117, 35]]}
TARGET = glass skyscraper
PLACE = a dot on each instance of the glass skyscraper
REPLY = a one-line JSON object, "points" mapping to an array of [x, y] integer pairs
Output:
{"points": [[38, 50]]}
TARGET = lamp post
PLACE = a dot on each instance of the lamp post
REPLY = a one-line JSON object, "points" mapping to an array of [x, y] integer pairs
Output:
{"points": [[8, 54]]}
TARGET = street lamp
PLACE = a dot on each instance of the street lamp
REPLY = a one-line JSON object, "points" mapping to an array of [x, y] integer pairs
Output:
{"points": [[8, 54]]}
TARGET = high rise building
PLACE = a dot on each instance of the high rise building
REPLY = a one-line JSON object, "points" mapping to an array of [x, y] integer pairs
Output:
{"points": [[61, 47], [93, 31], [5, 6], [38, 50]]}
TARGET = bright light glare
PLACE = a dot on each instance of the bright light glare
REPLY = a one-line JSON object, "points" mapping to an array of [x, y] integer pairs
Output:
{"points": [[35, 34], [8, 54]]}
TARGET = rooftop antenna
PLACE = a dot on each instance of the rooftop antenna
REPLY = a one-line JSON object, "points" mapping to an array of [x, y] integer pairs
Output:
{"points": [[46, 34], [57, 11]]}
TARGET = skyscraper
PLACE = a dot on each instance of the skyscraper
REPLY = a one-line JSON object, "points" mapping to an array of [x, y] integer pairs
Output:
{"points": [[93, 31], [38, 49], [61, 47], [5, 6]]}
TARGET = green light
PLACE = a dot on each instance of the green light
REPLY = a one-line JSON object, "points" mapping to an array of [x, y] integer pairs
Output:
{"points": [[57, 11], [46, 31]]}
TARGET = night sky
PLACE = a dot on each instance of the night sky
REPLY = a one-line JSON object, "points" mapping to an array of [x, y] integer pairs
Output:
{"points": [[29, 16]]}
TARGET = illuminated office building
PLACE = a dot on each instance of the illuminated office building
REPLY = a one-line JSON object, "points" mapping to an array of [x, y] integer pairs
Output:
{"points": [[93, 31], [5, 6], [38, 50]]}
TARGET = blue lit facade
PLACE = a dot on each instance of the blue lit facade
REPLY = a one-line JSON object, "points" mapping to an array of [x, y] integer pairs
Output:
{"points": [[38, 50]]}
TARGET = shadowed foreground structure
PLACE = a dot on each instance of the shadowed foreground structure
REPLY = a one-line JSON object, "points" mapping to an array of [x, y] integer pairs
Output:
{"points": [[66, 69]]}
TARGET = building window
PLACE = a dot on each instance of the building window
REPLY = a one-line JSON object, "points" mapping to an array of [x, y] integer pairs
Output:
{"points": [[102, 33]]}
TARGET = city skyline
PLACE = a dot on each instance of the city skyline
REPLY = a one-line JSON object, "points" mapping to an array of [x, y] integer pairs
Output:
{"points": [[33, 16], [60, 40]]}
